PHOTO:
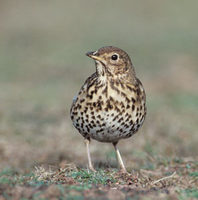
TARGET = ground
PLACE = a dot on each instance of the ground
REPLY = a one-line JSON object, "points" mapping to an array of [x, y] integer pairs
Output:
{"points": [[43, 65], [175, 179]]}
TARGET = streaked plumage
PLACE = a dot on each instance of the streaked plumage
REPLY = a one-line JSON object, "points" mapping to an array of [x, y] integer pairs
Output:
{"points": [[111, 104]]}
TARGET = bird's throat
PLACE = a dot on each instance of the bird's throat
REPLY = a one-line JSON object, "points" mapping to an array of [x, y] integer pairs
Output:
{"points": [[100, 68]]}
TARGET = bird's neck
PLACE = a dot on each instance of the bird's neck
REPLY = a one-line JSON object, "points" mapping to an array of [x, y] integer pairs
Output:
{"points": [[104, 75]]}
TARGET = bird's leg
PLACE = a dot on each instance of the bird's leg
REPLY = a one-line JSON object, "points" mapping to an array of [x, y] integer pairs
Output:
{"points": [[87, 141], [119, 158]]}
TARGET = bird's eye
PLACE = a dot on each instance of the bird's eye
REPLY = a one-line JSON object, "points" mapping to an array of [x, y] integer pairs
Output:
{"points": [[114, 57]]}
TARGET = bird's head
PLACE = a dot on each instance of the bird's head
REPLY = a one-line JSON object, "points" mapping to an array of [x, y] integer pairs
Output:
{"points": [[112, 61]]}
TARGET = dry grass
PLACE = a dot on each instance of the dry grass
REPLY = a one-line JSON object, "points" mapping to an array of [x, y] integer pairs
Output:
{"points": [[177, 180]]}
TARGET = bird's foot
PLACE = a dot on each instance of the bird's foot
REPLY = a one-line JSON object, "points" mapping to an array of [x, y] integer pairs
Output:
{"points": [[123, 171], [92, 169]]}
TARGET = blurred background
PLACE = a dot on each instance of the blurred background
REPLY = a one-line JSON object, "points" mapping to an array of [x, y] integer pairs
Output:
{"points": [[43, 65]]}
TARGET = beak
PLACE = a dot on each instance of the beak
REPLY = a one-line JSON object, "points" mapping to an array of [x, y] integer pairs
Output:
{"points": [[94, 55]]}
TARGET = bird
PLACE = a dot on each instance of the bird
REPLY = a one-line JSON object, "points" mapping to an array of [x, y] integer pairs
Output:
{"points": [[111, 104]]}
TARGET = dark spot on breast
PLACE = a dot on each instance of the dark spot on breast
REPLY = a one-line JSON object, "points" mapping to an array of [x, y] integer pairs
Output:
{"points": [[75, 108], [123, 111], [100, 130], [90, 125], [138, 92], [115, 117], [117, 109], [87, 128], [111, 99], [123, 94], [74, 113], [122, 105], [133, 100], [108, 106], [120, 119], [95, 91], [130, 88], [127, 99], [103, 124], [132, 128], [105, 90], [85, 110], [89, 96], [126, 126]]}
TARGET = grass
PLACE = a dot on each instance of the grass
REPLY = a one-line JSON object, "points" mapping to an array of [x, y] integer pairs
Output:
{"points": [[188, 193], [43, 65], [71, 182]]}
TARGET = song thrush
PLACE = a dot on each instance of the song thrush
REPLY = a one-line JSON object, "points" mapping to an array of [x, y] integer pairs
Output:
{"points": [[111, 105]]}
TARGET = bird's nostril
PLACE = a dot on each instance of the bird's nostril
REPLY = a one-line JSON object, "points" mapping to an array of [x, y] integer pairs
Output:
{"points": [[90, 53], [95, 53]]}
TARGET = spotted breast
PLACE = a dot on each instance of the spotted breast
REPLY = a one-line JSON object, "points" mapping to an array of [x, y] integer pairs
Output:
{"points": [[109, 110]]}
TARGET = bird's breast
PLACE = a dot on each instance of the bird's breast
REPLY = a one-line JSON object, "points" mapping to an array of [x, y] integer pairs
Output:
{"points": [[108, 112]]}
